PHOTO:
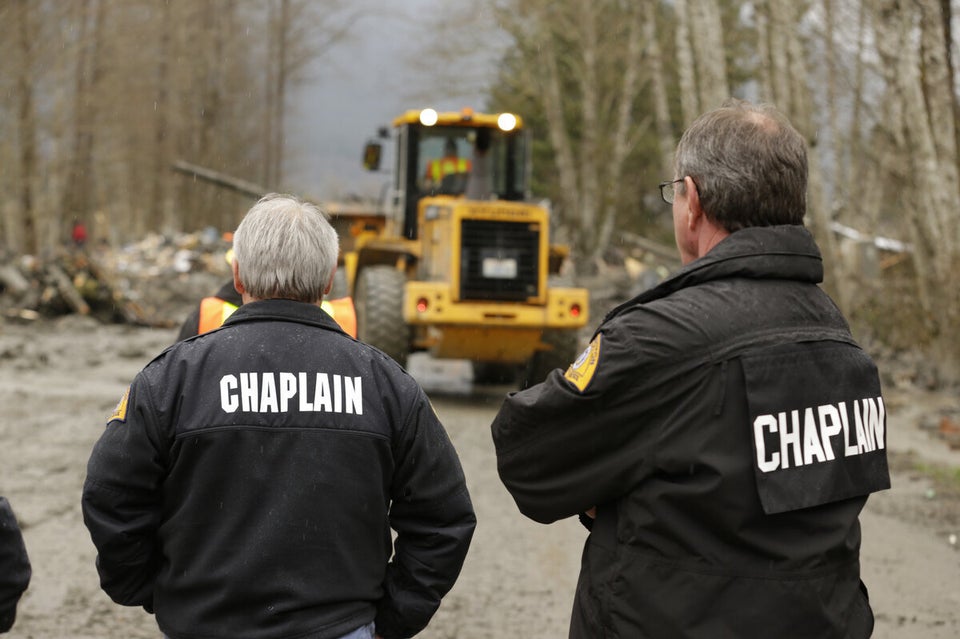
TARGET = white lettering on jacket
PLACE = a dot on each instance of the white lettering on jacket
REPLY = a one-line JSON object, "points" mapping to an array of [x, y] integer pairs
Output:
{"points": [[807, 436], [286, 392]]}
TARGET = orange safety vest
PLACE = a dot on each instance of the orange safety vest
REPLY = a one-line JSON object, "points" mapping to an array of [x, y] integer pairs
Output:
{"points": [[214, 312], [442, 167], [342, 311]]}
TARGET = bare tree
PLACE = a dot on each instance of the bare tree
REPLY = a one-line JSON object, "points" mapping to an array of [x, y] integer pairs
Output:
{"points": [[26, 37], [709, 53], [666, 139], [583, 67], [159, 197], [686, 68], [933, 185], [300, 31], [78, 194]]}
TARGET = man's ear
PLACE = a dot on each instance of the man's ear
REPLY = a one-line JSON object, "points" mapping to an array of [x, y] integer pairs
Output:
{"points": [[237, 284], [695, 214], [329, 287]]}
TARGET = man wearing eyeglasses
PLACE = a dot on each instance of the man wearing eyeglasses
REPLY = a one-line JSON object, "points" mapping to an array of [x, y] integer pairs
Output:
{"points": [[723, 430]]}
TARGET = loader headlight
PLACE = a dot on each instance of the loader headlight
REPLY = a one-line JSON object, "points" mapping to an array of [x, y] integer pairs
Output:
{"points": [[428, 117], [506, 121]]}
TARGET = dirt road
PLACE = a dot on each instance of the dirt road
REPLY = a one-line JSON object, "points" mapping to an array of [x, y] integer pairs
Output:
{"points": [[59, 380]]}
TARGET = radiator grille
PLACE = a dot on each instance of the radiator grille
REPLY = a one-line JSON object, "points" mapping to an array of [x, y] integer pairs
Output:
{"points": [[498, 260]]}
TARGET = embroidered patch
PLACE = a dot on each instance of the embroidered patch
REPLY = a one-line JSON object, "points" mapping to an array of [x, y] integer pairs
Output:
{"points": [[120, 412], [581, 371]]}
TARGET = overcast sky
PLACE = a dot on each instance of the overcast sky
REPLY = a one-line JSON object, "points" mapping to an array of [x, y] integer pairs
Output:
{"points": [[360, 85]]}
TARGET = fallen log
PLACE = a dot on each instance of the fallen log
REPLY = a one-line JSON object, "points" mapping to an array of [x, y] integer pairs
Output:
{"points": [[13, 280], [67, 290]]}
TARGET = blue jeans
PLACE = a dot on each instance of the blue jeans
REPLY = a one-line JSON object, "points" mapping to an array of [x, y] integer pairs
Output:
{"points": [[363, 632]]}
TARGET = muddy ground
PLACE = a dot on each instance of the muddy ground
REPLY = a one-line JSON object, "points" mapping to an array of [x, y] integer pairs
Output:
{"points": [[60, 379]]}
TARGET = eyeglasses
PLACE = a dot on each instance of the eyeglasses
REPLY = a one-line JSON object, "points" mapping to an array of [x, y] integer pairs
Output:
{"points": [[667, 191]]}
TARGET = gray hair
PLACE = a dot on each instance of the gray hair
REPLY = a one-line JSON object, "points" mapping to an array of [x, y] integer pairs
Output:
{"points": [[749, 165], [285, 248]]}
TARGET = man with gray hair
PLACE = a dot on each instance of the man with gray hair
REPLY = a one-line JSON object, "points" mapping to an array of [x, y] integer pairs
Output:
{"points": [[722, 431], [248, 482]]}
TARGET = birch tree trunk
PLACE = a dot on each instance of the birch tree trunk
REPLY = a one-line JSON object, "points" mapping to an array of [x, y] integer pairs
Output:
{"points": [[788, 70], [900, 63], [709, 53], [764, 72], [940, 102], [583, 66], [780, 26], [686, 69], [857, 157], [666, 139]]}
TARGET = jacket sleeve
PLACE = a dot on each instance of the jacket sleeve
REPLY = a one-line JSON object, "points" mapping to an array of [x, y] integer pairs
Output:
{"points": [[433, 517], [14, 566], [564, 447], [121, 503]]}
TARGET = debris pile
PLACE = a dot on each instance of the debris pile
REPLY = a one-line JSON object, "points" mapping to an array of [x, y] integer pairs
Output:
{"points": [[153, 282]]}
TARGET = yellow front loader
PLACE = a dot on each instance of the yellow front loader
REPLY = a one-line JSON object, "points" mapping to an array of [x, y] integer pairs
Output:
{"points": [[460, 263]]}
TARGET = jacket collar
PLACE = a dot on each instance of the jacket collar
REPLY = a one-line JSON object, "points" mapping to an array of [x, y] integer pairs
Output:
{"points": [[284, 311], [786, 252]]}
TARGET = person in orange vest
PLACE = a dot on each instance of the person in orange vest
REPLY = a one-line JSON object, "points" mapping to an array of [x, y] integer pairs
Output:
{"points": [[213, 310], [450, 164]]}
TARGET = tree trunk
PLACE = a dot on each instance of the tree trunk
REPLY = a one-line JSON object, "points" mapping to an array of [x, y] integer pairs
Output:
{"points": [[709, 57], [270, 98], [900, 65], [26, 117], [625, 133], [780, 29], [858, 158], [686, 70], [590, 154], [280, 90], [940, 101], [764, 72], [661, 108], [161, 147], [552, 100]]}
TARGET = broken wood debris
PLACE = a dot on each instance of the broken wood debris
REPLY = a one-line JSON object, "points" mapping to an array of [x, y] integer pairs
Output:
{"points": [[141, 284]]}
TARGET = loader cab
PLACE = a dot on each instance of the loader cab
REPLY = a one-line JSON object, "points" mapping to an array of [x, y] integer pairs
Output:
{"points": [[456, 154]]}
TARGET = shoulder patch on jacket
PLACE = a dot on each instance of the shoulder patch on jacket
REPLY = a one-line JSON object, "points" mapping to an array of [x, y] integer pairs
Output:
{"points": [[581, 371], [120, 412]]}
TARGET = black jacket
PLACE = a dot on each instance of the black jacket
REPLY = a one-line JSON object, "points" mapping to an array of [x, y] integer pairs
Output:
{"points": [[14, 566], [247, 485], [711, 421]]}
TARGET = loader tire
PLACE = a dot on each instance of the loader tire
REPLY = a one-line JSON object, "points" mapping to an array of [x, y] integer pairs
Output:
{"points": [[565, 349], [379, 306]]}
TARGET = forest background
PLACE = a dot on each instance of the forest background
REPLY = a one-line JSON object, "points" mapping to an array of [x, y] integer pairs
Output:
{"points": [[98, 99]]}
